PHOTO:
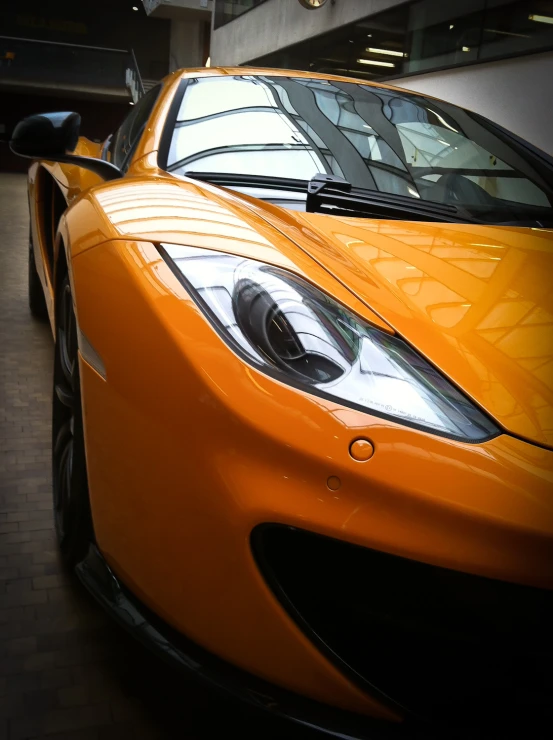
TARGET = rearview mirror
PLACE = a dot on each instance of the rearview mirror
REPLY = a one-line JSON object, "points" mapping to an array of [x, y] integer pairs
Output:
{"points": [[53, 136]]}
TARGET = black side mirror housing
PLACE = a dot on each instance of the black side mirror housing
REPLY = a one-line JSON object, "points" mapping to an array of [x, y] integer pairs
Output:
{"points": [[46, 135], [53, 136]]}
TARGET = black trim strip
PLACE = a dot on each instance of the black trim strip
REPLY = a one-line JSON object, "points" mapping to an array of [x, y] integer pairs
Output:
{"points": [[170, 123], [105, 148], [217, 24], [106, 170]]}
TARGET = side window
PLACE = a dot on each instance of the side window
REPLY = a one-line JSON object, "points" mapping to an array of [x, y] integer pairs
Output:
{"points": [[127, 136]]}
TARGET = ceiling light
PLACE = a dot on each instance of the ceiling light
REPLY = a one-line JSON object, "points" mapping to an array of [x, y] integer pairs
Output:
{"points": [[390, 52], [369, 35], [541, 18], [134, 7], [376, 64], [451, 26], [466, 48]]}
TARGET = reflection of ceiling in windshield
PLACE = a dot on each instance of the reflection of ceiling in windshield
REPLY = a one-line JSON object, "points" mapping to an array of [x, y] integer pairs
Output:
{"points": [[375, 138]]}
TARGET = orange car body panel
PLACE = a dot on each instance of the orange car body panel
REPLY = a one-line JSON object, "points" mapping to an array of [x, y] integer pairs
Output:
{"points": [[189, 450], [475, 300], [188, 447]]}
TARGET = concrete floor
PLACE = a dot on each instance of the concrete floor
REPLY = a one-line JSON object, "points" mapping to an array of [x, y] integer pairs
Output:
{"points": [[66, 671]]}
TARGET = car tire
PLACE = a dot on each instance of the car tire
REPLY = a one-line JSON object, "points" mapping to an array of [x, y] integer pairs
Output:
{"points": [[37, 302], [72, 516]]}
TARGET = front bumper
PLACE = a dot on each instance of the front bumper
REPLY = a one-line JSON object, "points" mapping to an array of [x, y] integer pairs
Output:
{"points": [[189, 450], [397, 653], [216, 674]]}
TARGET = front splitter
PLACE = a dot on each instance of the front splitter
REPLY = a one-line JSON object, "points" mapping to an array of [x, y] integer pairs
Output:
{"points": [[217, 674]]}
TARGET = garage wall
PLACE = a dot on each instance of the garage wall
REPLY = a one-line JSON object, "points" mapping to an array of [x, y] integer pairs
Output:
{"points": [[277, 24], [98, 119], [106, 23], [516, 93]]}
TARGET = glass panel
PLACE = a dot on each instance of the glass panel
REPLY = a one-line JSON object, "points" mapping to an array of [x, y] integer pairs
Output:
{"points": [[218, 94], [420, 36], [376, 138], [240, 131], [127, 136], [443, 34], [227, 10], [522, 26]]}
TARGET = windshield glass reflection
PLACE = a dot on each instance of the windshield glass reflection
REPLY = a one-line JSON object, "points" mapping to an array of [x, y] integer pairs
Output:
{"points": [[376, 138]]}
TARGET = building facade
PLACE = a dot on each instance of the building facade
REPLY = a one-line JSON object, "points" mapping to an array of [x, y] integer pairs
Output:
{"points": [[492, 56], [190, 25], [95, 57]]}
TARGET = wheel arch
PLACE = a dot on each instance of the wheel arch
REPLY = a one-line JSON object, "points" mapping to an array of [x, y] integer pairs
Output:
{"points": [[50, 206], [61, 257]]}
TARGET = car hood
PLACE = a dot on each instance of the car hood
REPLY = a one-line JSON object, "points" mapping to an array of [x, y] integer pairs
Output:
{"points": [[475, 300]]}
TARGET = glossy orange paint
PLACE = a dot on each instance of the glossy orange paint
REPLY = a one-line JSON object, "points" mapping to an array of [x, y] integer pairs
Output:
{"points": [[475, 300], [71, 181], [189, 448], [361, 450]]}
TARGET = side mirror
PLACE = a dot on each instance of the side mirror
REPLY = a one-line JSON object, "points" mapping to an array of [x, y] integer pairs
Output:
{"points": [[53, 136], [46, 135]]}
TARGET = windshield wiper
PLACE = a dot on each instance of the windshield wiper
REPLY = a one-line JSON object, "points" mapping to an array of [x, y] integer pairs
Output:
{"points": [[327, 194], [335, 196]]}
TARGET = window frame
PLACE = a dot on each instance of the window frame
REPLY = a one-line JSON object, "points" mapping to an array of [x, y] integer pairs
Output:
{"points": [[169, 125]]}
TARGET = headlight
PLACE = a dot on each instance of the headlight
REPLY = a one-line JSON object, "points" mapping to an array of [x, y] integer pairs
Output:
{"points": [[292, 331]]}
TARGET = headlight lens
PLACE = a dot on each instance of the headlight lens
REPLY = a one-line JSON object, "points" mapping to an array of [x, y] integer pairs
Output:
{"points": [[294, 332]]}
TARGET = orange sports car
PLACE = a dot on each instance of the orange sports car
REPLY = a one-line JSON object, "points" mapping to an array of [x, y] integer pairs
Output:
{"points": [[303, 392]]}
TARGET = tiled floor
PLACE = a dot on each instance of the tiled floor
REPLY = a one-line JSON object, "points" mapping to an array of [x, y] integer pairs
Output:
{"points": [[66, 671]]}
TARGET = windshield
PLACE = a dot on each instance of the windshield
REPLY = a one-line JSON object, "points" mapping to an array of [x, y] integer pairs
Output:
{"points": [[376, 139]]}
